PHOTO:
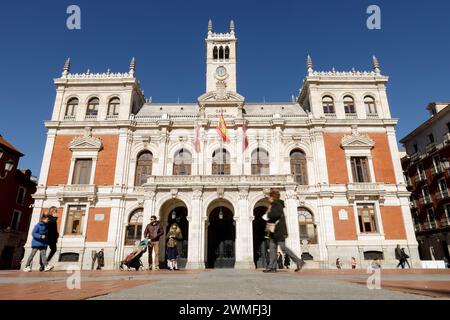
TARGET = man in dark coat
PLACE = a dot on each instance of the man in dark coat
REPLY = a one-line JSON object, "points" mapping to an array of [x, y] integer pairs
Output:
{"points": [[153, 232], [399, 257], [52, 234], [278, 237]]}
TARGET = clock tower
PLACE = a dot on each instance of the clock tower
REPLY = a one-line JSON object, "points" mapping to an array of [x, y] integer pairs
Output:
{"points": [[221, 59]]}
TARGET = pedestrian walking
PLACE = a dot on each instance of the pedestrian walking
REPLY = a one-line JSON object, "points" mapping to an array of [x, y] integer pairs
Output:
{"points": [[405, 258], [100, 259], [353, 263], [287, 261], [338, 263], [280, 260], [173, 236], [39, 243], [399, 256], [52, 234], [278, 233], [153, 233]]}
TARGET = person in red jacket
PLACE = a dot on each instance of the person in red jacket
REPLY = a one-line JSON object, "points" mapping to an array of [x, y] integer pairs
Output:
{"points": [[153, 232]]}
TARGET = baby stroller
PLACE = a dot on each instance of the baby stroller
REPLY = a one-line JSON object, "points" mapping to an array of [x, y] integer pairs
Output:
{"points": [[133, 260]]}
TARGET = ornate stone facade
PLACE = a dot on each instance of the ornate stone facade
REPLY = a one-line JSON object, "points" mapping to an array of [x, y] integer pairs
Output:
{"points": [[325, 154]]}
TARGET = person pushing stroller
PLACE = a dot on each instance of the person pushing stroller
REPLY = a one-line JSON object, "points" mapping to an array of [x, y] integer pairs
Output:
{"points": [[133, 260]]}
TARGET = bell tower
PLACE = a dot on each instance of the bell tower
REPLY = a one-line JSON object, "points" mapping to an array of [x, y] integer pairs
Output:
{"points": [[221, 60]]}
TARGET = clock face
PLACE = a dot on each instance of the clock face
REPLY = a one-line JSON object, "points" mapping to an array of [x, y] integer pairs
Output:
{"points": [[221, 71]]}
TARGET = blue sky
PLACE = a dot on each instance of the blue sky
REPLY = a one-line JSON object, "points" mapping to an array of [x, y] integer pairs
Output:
{"points": [[167, 39]]}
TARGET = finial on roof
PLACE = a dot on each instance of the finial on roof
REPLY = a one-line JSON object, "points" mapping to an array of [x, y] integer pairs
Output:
{"points": [[231, 25], [67, 66], [132, 66], [209, 25], [376, 64], [309, 64]]}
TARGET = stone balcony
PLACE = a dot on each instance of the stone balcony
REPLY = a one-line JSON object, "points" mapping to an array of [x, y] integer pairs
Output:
{"points": [[67, 193], [420, 178], [365, 189], [436, 170], [219, 181], [442, 195], [425, 200], [430, 147]]}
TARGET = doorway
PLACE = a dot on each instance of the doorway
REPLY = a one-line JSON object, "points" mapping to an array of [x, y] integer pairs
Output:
{"points": [[221, 238]]}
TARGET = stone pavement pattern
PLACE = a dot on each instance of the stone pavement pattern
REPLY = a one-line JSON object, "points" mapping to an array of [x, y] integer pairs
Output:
{"points": [[226, 284]]}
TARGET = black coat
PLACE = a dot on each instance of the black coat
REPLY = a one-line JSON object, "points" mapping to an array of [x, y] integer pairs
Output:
{"points": [[52, 227], [398, 254], [275, 214]]}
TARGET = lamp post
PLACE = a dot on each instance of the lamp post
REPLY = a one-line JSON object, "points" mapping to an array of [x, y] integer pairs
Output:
{"points": [[9, 165], [220, 214], [174, 215]]}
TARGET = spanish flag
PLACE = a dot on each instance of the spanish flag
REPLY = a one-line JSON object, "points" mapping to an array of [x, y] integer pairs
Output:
{"points": [[222, 129]]}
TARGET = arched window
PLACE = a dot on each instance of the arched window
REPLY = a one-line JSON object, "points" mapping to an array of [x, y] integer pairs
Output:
{"points": [[349, 105], [307, 226], [369, 103], [221, 162], [215, 53], [143, 168], [113, 107], [92, 108], [182, 163], [134, 228], [227, 53], [298, 167], [260, 162], [221, 53], [328, 105], [71, 108]]}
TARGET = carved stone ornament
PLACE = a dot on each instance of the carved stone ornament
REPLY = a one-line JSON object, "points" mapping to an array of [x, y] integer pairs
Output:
{"points": [[197, 194], [86, 143], [357, 141], [220, 192], [243, 193], [174, 193]]}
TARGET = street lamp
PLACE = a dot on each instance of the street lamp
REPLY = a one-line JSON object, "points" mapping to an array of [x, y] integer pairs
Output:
{"points": [[174, 214], [9, 165], [220, 214]]}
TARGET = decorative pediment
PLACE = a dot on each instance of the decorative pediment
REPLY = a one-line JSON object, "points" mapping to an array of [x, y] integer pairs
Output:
{"points": [[357, 141], [86, 143], [221, 96]]}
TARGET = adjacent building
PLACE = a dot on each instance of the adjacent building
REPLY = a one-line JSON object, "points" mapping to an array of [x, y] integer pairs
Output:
{"points": [[426, 169], [113, 158], [16, 190]]}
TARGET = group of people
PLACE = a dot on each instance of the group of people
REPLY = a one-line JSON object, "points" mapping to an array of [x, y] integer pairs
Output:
{"points": [[402, 257], [153, 233], [339, 264], [45, 235]]}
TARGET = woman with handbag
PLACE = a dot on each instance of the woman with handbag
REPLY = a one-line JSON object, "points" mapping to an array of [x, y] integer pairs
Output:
{"points": [[173, 236], [276, 225]]}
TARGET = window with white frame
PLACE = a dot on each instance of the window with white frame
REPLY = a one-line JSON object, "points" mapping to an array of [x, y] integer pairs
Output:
{"points": [[426, 194], [437, 163], [431, 218], [113, 107], [92, 108], [328, 105], [367, 218], [82, 171], [74, 220], [71, 107], [447, 213], [443, 188], [15, 221], [421, 171], [21, 195], [369, 103], [349, 105]]}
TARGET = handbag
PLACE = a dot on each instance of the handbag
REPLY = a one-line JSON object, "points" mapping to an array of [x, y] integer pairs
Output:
{"points": [[270, 227]]}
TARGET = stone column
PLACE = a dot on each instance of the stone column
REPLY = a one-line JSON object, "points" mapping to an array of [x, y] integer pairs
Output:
{"points": [[244, 233], [291, 215], [196, 259]]}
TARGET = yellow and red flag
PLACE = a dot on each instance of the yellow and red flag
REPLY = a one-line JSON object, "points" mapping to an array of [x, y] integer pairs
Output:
{"points": [[245, 138], [198, 148], [222, 129]]}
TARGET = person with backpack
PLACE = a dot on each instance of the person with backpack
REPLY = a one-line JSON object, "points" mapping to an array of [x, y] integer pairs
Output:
{"points": [[39, 243]]}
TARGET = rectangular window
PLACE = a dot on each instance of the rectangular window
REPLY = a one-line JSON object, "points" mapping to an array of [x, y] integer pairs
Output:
{"points": [[431, 218], [16, 220], [431, 138], [421, 171], [74, 220], [82, 171], [366, 218], [443, 187], [416, 148], [437, 163], [21, 195], [360, 169]]}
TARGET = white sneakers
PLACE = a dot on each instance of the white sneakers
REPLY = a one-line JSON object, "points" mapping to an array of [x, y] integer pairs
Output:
{"points": [[47, 268]]}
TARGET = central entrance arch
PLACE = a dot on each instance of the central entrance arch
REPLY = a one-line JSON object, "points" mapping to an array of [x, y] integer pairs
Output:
{"points": [[260, 244], [174, 211], [221, 235]]}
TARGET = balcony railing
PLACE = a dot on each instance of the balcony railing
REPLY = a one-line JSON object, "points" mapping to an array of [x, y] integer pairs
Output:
{"points": [[417, 227], [419, 178], [430, 147], [69, 118], [441, 195], [415, 157], [435, 170], [425, 200], [91, 117], [444, 222], [76, 191], [351, 116], [112, 117]]}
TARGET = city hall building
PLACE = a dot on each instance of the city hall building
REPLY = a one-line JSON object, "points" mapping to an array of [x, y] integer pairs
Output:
{"points": [[114, 158]]}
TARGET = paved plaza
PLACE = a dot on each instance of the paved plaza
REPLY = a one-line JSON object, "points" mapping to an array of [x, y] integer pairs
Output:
{"points": [[225, 284]]}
